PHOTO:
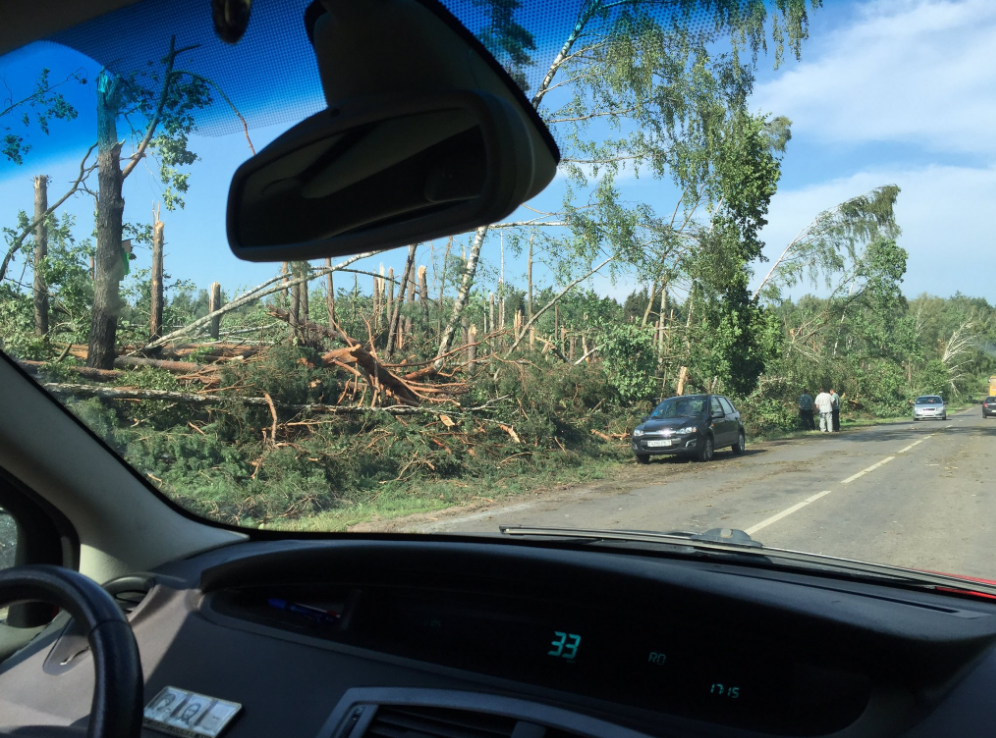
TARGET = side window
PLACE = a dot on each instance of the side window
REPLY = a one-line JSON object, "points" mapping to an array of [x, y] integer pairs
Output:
{"points": [[727, 407], [717, 409], [8, 539]]}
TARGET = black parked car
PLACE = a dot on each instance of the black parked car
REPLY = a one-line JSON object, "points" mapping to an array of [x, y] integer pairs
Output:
{"points": [[693, 425], [989, 407]]}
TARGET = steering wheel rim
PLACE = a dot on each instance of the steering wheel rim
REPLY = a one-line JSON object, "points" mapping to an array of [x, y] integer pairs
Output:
{"points": [[116, 708]]}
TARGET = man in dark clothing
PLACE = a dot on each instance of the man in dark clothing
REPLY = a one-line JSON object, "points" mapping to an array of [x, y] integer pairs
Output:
{"points": [[835, 410], [806, 411]]}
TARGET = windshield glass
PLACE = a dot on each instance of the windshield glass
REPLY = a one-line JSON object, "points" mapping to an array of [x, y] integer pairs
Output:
{"points": [[749, 204], [679, 407]]}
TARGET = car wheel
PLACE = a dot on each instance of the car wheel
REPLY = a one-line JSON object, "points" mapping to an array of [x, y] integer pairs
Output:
{"points": [[740, 445], [705, 453], [643, 458]]}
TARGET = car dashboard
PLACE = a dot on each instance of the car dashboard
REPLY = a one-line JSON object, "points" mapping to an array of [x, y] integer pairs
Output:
{"points": [[459, 638]]}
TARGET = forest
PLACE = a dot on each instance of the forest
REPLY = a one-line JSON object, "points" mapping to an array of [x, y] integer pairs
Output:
{"points": [[335, 391]]}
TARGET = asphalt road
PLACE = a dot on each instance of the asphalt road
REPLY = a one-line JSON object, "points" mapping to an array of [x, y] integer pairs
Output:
{"points": [[920, 495]]}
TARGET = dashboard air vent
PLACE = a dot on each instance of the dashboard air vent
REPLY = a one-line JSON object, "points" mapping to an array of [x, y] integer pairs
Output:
{"points": [[396, 721]]}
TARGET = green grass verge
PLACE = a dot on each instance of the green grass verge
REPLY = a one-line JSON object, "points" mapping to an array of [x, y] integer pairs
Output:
{"points": [[399, 500]]}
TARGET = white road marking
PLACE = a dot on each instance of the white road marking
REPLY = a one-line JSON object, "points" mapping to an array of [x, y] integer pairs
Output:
{"points": [[904, 450], [873, 467], [785, 513], [799, 505]]}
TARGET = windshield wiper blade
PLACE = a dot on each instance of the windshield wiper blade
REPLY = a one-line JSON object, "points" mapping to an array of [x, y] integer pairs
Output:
{"points": [[729, 540]]}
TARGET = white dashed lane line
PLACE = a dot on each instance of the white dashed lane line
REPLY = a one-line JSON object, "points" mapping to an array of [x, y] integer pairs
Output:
{"points": [[785, 513], [873, 467], [915, 443], [799, 505]]}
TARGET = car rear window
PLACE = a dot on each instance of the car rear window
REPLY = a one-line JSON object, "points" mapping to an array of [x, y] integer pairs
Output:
{"points": [[727, 406]]}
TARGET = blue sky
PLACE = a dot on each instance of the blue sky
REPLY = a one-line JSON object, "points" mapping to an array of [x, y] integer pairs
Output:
{"points": [[888, 91]]}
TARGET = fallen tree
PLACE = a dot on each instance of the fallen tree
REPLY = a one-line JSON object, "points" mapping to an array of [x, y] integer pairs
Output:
{"points": [[134, 393]]}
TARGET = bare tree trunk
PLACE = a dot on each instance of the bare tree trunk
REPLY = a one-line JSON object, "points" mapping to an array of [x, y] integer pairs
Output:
{"points": [[214, 303], [282, 297], [330, 295], [423, 291], [405, 280], [472, 345], [682, 377], [463, 295], [303, 305], [529, 278], [389, 301], [683, 372], [156, 282], [661, 328], [650, 304], [40, 288], [376, 302], [411, 282], [295, 300], [109, 260], [442, 279]]}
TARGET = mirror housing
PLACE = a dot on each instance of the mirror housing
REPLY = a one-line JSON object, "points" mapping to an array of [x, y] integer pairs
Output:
{"points": [[425, 136]]}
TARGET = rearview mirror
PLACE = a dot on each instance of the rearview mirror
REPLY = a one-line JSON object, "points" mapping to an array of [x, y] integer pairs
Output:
{"points": [[425, 136]]}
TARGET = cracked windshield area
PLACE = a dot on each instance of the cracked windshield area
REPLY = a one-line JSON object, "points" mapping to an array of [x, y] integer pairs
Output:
{"points": [[755, 296]]}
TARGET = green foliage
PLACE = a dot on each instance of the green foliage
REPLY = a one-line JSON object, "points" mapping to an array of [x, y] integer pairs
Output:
{"points": [[629, 360], [45, 104]]}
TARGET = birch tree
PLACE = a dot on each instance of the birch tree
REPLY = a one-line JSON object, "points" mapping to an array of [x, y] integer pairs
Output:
{"points": [[653, 78]]}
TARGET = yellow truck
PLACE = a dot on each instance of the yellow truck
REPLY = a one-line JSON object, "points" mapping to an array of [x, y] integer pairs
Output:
{"points": [[992, 386]]}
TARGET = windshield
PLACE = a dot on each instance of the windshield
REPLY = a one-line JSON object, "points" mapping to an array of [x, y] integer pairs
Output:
{"points": [[679, 407], [749, 204]]}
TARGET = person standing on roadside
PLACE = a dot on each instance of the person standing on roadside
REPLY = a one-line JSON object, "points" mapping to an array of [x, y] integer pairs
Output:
{"points": [[825, 405], [806, 411], [835, 411]]}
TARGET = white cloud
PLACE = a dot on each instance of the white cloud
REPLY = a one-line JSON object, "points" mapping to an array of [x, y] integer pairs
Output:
{"points": [[944, 211], [914, 72]]}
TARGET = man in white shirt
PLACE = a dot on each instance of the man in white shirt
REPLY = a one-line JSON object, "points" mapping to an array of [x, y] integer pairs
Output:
{"points": [[825, 405]]}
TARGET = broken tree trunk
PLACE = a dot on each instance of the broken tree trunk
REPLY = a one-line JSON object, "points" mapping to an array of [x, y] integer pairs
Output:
{"points": [[130, 393], [109, 258], [330, 294], [396, 315], [214, 304], [156, 282], [40, 287]]}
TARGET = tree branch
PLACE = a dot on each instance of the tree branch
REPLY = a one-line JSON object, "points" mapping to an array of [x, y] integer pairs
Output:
{"points": [[154, 123], [554, 301], [205, 80]]}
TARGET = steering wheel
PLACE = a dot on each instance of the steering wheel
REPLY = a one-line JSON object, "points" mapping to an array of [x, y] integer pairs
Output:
{"points": [[116, 710]]}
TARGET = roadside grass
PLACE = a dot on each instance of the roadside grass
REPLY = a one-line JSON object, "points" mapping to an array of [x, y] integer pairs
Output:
{"points": [[397, 500]]}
